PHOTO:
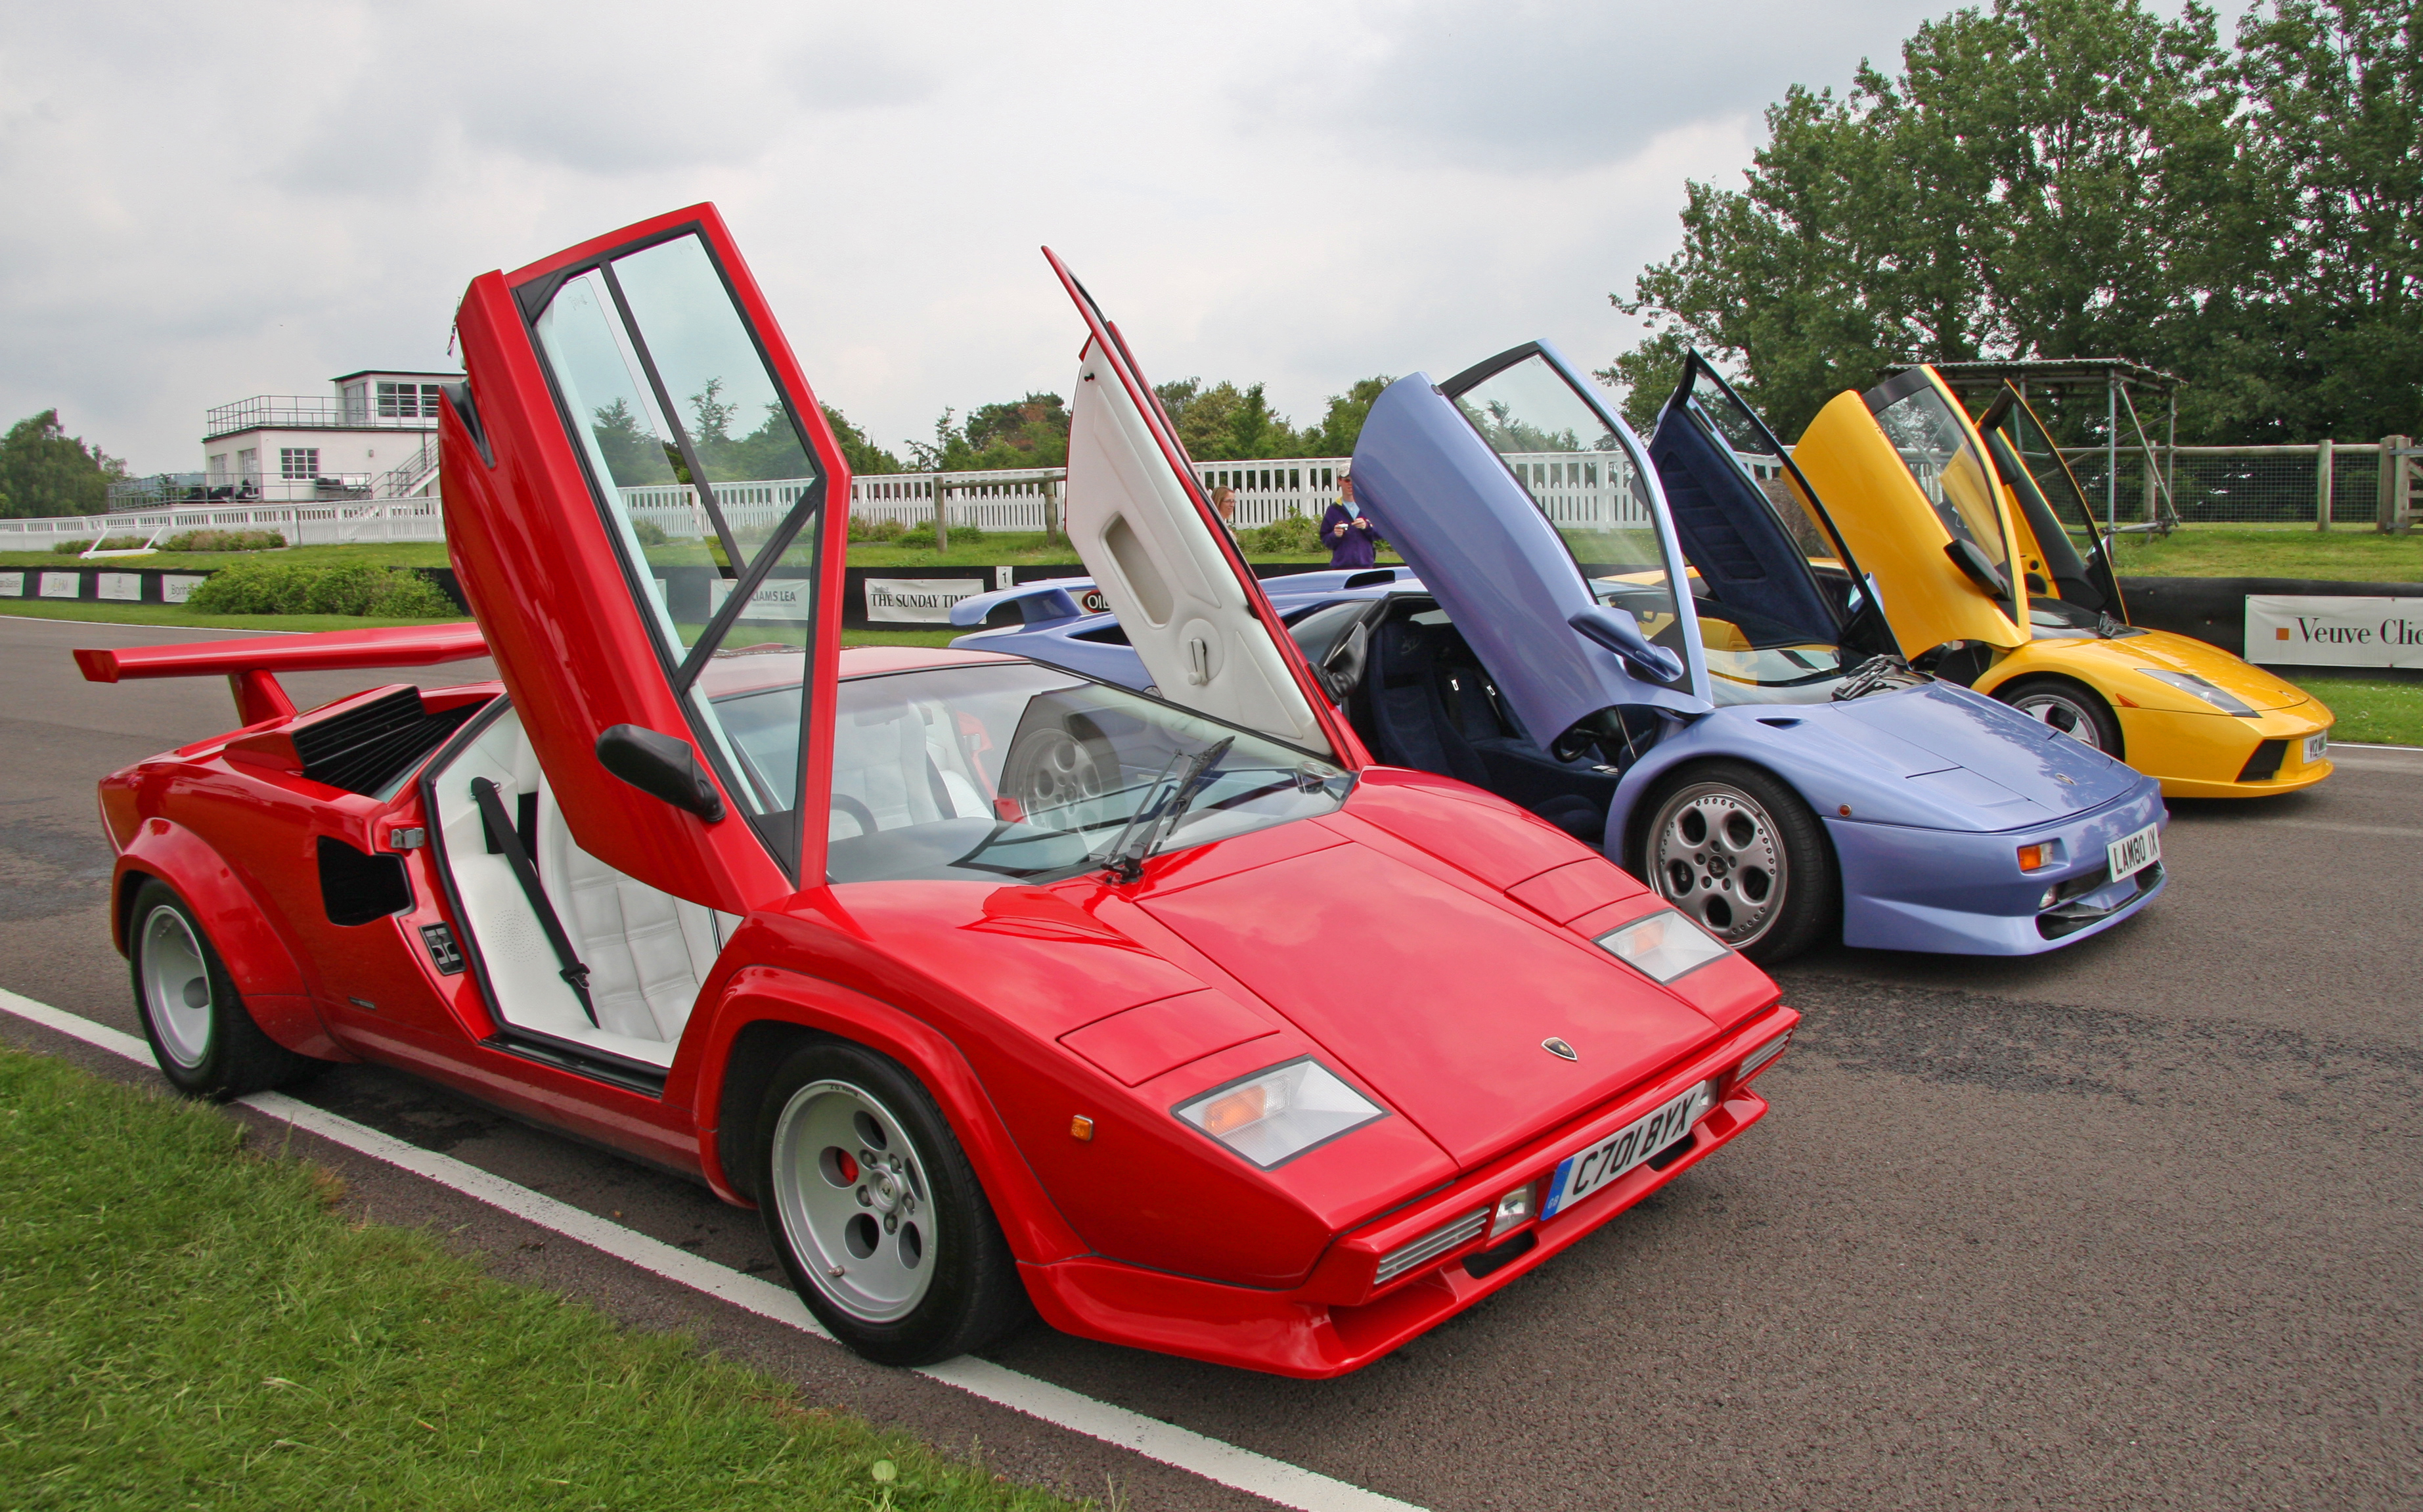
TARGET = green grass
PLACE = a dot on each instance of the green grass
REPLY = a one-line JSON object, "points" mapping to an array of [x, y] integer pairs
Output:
{"points": [[185, 1323], [937, 637], [2346, 553], [378, 554], [99, 613], [2371, 712]]}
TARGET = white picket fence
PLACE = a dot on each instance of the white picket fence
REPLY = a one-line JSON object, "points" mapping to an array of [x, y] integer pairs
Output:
{"points": [[1580, 490]]}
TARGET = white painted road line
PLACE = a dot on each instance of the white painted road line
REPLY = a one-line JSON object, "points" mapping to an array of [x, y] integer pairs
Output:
{"points": [[1274, 1480]]}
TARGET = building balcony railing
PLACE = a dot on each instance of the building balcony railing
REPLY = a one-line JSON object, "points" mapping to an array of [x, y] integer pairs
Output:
{"points": [[404, 412]]}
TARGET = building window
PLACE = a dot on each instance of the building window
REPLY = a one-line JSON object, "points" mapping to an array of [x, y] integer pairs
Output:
{"points": [[407, 401], [298, 461], [219, 465]]}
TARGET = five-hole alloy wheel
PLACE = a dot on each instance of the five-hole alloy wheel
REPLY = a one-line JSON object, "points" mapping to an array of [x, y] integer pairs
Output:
{"points": [[1052, 769], [876, 1213], [202, 1034], [2068, 708], [1738, 852]]}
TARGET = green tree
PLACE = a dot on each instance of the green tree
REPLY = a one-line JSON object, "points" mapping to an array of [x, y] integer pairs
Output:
{"points": [[2046, 178], [1032, 432], [45, 472], [2335, 126], [863, 457], [1343, 423]]}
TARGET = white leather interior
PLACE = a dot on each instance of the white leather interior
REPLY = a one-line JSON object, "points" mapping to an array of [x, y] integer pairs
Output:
{"points": [[893, 759], [646, 950]]}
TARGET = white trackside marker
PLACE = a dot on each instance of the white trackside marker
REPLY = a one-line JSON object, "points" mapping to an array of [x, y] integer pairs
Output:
{"points": [[1274, 1480]]}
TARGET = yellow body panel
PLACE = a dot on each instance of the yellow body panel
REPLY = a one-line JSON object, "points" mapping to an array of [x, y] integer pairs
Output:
{"points": [[2192, 749], [1889, 525]]}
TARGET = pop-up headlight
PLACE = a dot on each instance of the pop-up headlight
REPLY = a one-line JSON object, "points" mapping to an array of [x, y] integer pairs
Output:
{"points": [[1274, 1115], [2196, 687], [1662, 946]]}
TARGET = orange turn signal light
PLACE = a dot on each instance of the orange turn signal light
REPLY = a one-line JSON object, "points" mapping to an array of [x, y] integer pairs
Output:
{"points": [[2036, 858], [1244, 1105], [1081, 1127]]}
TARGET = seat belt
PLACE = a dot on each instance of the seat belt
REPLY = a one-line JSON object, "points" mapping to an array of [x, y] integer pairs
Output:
{"points": [[503, 838]]}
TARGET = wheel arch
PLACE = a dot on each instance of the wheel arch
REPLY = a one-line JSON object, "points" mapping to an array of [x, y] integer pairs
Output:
{"points": [[2067, 679], [766, 1012], [261, 962]]}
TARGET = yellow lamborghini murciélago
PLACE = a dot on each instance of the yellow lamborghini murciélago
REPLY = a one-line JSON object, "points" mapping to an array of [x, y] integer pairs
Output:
{"points": [[1986, 561]]}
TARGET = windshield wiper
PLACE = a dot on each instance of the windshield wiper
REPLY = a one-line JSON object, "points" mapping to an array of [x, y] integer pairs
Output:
{"points": [[1876, 674], [1153, 820]]}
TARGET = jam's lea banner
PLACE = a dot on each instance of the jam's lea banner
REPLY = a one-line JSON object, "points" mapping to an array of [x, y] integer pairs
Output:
{"points": [[2299, 630]]}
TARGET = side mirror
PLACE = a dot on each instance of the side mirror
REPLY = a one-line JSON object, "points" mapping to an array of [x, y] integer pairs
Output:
{"points": [[661, 766], [1979, 567], [1617, 630]]}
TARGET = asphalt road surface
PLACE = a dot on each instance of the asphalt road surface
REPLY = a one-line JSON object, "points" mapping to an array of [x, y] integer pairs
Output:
{"points": [[2131, 1225]]}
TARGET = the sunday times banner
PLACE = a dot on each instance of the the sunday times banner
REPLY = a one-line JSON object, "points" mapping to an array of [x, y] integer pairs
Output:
{"points": [[2314, 631], [918, 600]]}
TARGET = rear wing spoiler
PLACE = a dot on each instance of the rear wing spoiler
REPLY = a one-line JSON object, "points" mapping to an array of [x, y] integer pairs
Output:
{"points": [[251, 662]]}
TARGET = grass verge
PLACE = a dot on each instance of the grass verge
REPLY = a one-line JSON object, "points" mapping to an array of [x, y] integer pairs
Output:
{"points": [[178, 615], [2345, 553], [182, 1322], [2371, 712]]}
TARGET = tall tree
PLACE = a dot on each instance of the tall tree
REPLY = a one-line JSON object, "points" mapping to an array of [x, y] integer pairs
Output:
{"points": [[45, 472], [2046, 178], [2335, 125]]}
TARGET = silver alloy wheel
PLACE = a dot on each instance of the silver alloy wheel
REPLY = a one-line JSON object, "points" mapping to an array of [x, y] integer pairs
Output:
{"points": [[2062, 712], [1716, 856], [1056, 772], [176, 986], [853, 1200]]}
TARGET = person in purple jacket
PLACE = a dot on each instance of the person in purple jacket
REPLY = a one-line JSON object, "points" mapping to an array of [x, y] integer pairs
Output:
{"points": [[1349, 535]]}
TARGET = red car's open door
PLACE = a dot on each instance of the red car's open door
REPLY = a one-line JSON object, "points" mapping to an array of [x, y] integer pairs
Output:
{"points": [[1189, 604], [646, 508]]}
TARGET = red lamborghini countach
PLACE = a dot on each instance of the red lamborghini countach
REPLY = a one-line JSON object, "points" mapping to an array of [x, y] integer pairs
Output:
{"points": [[1175, 1019]]}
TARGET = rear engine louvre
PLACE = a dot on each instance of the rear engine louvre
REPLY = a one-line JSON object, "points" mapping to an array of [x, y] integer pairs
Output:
{"points": [[1430, 1246], [363, 748]]}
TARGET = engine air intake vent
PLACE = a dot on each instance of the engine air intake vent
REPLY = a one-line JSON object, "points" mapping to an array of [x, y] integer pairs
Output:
{"points": [[1430, 1246], [363, 745], [2264, 764]]}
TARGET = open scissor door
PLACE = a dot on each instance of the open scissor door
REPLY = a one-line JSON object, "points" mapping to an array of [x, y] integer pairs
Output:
{"points": [[1173, 574], [2053, 509], [645, 507]]}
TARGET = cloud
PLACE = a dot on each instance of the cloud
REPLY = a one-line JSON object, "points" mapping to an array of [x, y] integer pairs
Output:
{"points": [[207, 205]]}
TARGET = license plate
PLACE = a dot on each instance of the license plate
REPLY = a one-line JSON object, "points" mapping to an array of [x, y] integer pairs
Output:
{"points": [[2132, 853], [2316, 747], [1587, 1170]]}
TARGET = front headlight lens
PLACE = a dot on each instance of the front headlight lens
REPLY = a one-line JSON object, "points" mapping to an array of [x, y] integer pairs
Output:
{"points": [[1661, 946], [2196, 687], [1274, 1115]]}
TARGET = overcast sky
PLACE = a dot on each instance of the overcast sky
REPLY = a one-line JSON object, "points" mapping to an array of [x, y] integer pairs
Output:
{"points": [[202, 203]]}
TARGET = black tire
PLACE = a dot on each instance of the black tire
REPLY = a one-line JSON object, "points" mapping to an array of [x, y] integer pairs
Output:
{"points": [[934, 1276], [1735, 848], [2072, 707], [202, 1034]]}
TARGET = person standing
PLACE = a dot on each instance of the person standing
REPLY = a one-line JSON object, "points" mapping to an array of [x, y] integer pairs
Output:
{"points": [[1348, 533]]}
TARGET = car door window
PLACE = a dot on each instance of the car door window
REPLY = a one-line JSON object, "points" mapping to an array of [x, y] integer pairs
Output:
{"points": [[1579, 473], [709, 488], [1935, 446]]}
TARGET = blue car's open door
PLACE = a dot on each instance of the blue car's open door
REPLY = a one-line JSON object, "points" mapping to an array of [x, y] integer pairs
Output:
{"points": [[1531, 516]]}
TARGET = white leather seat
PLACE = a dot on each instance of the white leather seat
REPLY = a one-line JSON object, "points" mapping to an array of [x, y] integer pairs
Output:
{"points": [[891, 759], [646, 950]]}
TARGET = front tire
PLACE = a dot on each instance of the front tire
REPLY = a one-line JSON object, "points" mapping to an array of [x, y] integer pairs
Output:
{"points": [[2068, 706], [202, 1034], [877, 1213], [1737, 850]]}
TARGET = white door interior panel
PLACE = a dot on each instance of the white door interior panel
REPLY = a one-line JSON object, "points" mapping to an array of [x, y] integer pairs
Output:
{"points": [[1153, 555]]}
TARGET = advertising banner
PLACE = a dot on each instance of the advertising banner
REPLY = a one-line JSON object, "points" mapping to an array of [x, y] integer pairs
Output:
{"points": [[2315, 631], [784, 599], [917, 600]]}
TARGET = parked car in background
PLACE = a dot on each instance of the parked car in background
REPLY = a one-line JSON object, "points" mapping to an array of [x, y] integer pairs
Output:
{"points": [[991, 985], [1753, 748]]}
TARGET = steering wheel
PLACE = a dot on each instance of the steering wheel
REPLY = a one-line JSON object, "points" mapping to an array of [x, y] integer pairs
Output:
{"points": [[860, 814]]}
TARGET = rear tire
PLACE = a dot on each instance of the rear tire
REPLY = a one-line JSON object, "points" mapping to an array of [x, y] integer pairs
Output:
{"points": [[876, 1213], [202, 1034], [1736, 849], [2071, 708]]}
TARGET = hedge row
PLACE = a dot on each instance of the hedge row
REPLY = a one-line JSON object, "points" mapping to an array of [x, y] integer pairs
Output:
{"points": [[349, 588]]}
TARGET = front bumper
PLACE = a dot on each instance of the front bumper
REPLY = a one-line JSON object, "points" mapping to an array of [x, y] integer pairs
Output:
{"points": [[2223, 755], [1962, 892], [1342, 1318]]}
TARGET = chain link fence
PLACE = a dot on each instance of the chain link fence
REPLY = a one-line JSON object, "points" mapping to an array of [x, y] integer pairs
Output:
{"points": [[2245, 485]]}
